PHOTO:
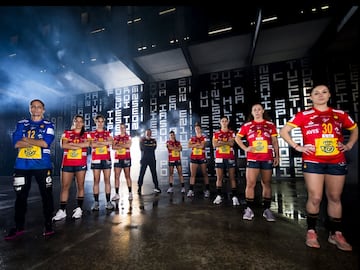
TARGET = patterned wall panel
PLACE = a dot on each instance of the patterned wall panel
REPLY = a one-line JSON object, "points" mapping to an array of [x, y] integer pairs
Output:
{"points": [[169, 108]]}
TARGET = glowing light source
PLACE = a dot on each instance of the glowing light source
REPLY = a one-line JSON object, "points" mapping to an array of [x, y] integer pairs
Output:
{"points": [[167, 11], [221, 30]]}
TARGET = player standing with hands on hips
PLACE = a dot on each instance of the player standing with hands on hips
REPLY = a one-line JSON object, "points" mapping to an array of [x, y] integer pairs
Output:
{"points": [[324, 163]]}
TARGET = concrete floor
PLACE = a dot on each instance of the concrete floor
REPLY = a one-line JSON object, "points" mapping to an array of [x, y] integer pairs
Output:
{"points": [[175, 232]]}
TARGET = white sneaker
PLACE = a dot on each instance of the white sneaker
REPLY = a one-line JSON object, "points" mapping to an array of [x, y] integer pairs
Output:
{"points": [[170, 190], [95, 206], [116, 197], [109, 206], [218, 199], [268, 215], [130, 196], [207, 193], [248, 214], [235, 201], [190, 193], [183, 190], [60, 214], [77, 213]]}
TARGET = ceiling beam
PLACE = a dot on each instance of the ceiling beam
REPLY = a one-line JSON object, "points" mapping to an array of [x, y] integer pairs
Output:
{"points": [[189, 61], [255, 37]]}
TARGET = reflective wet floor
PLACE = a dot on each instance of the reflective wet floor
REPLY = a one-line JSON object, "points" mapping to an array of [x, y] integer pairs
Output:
{"points": [[174, 232]]}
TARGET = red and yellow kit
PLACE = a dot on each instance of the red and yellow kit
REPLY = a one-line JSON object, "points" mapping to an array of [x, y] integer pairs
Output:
{"points": [[197, 153], [259, 136], [323, 130], [123, 153], [76, 157], [173, 155], [100, 153], [224, 151]]}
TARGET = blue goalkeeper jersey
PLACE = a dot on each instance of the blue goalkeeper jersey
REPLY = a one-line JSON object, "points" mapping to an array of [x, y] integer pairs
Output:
{"points": [[34, 157]]}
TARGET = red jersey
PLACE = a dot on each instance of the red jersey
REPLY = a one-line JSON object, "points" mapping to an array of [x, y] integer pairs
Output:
{"points": [[100, 153], [323, 130], [123, 153], [72, 157], [259, 136], [224, 151], [197, 153], [173, 155]]}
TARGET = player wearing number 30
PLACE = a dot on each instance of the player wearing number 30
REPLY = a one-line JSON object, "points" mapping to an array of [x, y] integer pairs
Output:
{"points": [[324, 163]]}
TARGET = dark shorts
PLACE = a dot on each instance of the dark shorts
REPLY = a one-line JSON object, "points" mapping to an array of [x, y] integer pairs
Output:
{"points": [[222, 163], [325, 168], [122, 163], [175, 163], [73, 169], [100, 164], [198, 161], [263, 165]]}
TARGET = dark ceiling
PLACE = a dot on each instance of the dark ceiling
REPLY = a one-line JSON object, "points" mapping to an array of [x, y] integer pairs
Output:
{"points": [[65, 50]]}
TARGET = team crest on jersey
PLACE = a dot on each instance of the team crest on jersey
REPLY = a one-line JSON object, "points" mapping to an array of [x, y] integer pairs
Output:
{"points": [[29, 152], [327, 147]]}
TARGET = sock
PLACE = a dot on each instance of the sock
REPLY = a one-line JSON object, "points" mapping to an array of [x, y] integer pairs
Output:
{"points": [[266, 203], [80, 201], [249, 202], [335, 225], [63, 205], [311, 221]]}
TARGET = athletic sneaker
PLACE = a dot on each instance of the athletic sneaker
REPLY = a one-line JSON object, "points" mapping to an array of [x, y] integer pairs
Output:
{"points": [[157, 190], [13, 233], [109, 206], [268, 215], [60, 214], [95, 206], [190, 193], [339, 240], [170, 190], [183, 190], [235, 201], [116, 197], [248, 214], [218, 200], [130, 196], [77, 213], [206, 193], [311, 239]]}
